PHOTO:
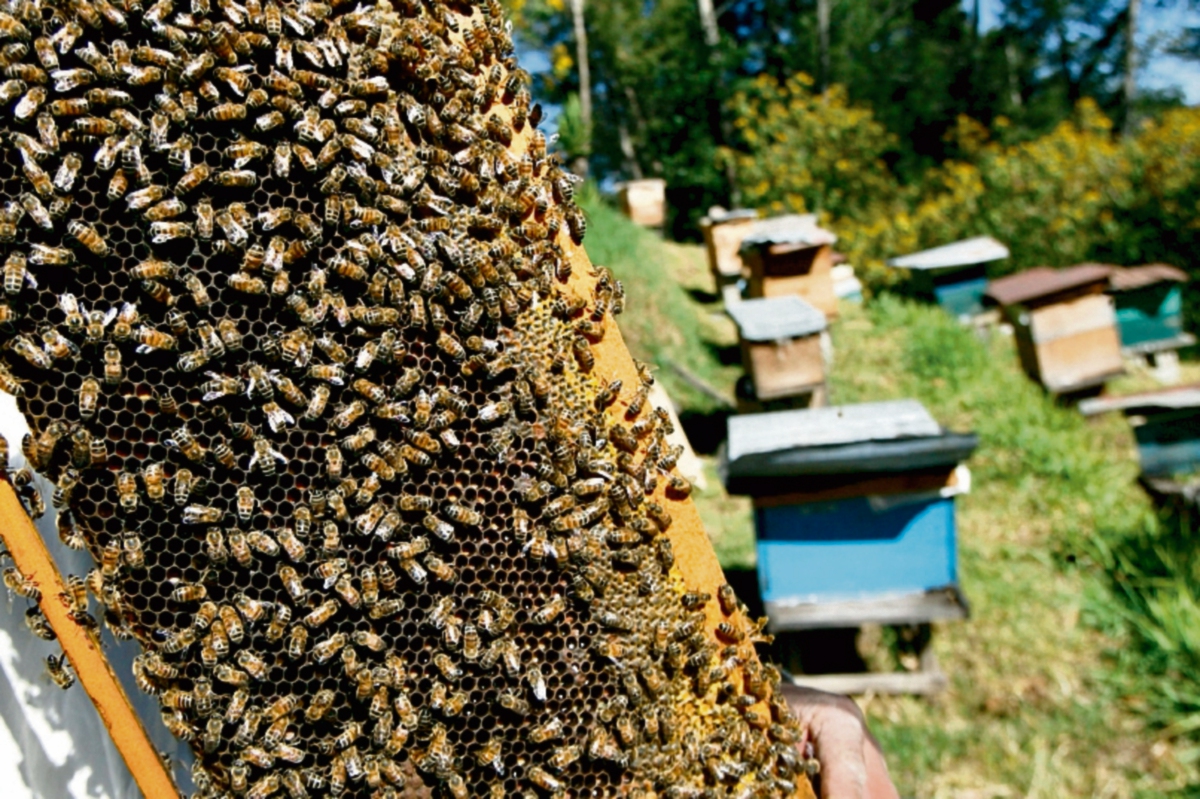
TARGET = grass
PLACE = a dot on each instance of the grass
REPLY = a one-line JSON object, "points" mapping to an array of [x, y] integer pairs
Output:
{"points": [[1076, 674]]}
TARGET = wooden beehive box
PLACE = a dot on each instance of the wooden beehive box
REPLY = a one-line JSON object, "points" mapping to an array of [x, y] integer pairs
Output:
{"points": [[723, 233], [953, 275], [644, 201], [854, 512], [1149, 306], [791, 255], [1065, 328], [781, 345]]}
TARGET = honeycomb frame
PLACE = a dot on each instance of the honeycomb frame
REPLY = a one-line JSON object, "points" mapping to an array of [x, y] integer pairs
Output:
{"points": [[516, 330]]}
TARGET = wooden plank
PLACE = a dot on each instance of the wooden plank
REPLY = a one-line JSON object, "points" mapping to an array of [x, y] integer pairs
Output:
{"points": [[947, 604], [804, 271], [83, 651], [921, 683], [1081, 359], [1066, 319], [817, 490], [784, 368]]}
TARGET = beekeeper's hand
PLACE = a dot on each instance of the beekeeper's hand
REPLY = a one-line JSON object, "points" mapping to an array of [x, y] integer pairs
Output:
{"points": [[852, 764]]}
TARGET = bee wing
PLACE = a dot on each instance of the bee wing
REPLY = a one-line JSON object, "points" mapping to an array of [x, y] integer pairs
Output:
{"points": [[278, 419], [109, 317], [68, 302]]}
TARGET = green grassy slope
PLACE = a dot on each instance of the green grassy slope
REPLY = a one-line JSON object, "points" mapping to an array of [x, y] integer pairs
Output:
{"points": [[1076, 675]]}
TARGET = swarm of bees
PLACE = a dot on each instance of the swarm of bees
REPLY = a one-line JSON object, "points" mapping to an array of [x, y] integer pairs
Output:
{"points": [[288, 303]]}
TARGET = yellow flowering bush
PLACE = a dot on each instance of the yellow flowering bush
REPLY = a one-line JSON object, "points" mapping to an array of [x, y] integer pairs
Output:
{"points": [[1079, 192], [807, 152]]}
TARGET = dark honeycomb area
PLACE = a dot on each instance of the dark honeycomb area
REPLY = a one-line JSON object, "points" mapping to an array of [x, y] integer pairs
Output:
{"points": [[288, 313]]}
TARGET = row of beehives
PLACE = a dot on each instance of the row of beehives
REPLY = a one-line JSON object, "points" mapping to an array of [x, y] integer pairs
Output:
{"points": [[1079, 327], [1075, 328], [778, 279], [854, 505]]}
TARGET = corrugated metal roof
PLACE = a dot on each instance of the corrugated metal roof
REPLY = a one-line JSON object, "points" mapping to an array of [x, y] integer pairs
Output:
{"points": [[1127, 278], [774, 318], [756, 433], [1042, 281], [979, 250], [788, 229], [1174, 398]]}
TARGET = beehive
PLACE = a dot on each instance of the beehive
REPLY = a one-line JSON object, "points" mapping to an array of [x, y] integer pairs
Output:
{"points": [[296, 314]]}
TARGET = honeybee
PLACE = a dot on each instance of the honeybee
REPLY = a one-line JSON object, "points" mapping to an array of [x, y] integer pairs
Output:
{"points": [[537, 684], [16, 275], [29, 104], [167, 209], [321, 614], [191, 179], [201, 514], [265, 457], [21, 585], [324, 651], [44, 255], [60, 671], [370, 640], [37, 623], [214, 546], [187, 445], [68, 171], [546, 731], [239, 178], [440, 569], [292, 545], [164, 232], [194, 592]]}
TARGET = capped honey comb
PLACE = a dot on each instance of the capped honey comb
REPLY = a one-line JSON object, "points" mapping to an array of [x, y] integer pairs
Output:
{"points": [[290, 308]]}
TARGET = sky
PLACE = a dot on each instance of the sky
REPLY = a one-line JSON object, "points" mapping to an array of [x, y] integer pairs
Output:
{"points": [[1159, 23], [1167, 71]]}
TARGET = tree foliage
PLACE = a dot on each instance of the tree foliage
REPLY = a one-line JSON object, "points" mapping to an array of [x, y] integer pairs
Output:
{"points": [[1075, 193], [661, 91]]}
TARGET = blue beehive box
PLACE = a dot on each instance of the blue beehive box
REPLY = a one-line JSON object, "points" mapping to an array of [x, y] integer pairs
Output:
{"points": [[854, 512], [953, 275]]}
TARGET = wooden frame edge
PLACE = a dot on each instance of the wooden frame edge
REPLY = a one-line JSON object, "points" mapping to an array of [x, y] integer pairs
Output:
{"points": [[82, 648]]}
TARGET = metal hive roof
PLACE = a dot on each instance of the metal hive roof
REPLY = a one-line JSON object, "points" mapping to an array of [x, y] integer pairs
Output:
{"points": [[774, 318], [968, 252]]}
